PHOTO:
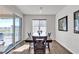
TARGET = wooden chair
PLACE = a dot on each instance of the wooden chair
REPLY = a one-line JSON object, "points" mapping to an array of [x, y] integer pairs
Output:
{"points": [[39, 45]]}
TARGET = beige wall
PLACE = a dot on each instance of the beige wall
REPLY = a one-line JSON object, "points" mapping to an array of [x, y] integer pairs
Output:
{"points": [[69, 39], [27, 22]]}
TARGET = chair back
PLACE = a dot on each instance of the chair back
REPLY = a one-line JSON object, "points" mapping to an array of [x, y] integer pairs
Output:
{"points": [[39, 44]]}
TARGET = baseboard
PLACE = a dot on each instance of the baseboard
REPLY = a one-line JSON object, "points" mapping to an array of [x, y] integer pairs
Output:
{"points": [[64, 47]]}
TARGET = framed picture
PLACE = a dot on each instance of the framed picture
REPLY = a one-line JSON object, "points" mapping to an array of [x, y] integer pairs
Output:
{"points": [[63, 24], [76, 22]]}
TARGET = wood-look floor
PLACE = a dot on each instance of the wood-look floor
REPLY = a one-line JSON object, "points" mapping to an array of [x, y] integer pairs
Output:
{"points": [[55, 48], [58, 49]]}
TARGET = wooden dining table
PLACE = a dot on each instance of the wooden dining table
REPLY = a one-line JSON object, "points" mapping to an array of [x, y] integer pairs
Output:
{"points": [[47, 41]]}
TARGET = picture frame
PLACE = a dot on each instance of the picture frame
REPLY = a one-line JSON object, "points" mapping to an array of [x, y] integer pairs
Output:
{"points": [[63, 24], [76, 22]]}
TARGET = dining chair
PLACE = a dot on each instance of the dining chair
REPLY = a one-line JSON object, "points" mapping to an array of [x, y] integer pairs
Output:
{"points": [[39, 45]]}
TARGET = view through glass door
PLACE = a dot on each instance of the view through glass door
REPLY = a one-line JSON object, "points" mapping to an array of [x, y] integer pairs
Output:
{"points": [[6, 30], [10, 30]]}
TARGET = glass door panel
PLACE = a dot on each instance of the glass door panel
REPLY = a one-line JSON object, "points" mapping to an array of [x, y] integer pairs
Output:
{"points": [[6, 30], [17, 29]]}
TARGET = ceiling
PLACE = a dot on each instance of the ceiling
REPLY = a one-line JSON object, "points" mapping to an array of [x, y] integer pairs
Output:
{"points": [[35, 9], [4, 11]]}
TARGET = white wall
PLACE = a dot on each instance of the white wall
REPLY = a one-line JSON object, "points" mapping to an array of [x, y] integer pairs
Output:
{"points": [[69, 39], [28, 24]]}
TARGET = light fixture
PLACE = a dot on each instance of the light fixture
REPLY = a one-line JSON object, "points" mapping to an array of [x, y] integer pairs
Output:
{"points": [[41, 9]]}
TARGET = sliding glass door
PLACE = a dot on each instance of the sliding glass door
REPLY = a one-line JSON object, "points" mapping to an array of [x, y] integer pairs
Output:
{"points": [[10, 30], [18, 27], [6, 30]]}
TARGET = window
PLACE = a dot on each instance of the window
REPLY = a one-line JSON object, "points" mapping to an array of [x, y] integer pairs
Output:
{"points": [[39, 27]]}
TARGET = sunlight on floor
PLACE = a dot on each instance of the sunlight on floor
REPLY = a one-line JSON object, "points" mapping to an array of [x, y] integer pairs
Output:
{"points": [[22, 48]]}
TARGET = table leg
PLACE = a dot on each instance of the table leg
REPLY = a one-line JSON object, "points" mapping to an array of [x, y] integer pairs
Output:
{"points": [[48, 47], [29, 47]]}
